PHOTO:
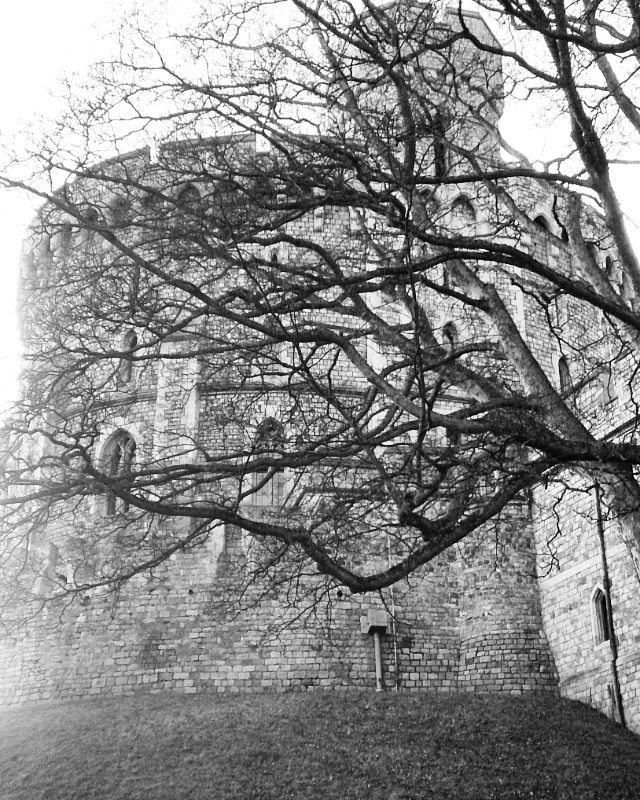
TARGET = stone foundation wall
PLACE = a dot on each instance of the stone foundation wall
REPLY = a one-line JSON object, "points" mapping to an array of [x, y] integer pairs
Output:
{"points": [[188, 631]]}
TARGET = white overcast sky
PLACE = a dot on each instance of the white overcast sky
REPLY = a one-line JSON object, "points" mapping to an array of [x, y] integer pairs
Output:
{"points": [[39, 41]]}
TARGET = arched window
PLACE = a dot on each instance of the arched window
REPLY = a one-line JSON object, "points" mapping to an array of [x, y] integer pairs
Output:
{"points": [[450, 337], [125, 367], [229, 205], [118, 461], [91, 216], [564, 374], [542, 243], [189, 197], [600, 619], [627, 286], [153, 209], [463, 216], [62, 240], [189, 208], [594, 252], [453, 437], [541, 222], [268, 482], [89, 224], [118, 211], [609, 267]]}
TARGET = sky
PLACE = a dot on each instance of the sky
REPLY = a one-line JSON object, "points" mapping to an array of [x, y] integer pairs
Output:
{"points": [[41, 40]]}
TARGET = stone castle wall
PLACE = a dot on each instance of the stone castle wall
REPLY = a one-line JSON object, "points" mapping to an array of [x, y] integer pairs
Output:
{"points": [[187, 630], [475, 619], [572, 569], [469, 621]]}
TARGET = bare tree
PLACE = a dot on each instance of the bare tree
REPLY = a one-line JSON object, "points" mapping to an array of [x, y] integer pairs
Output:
{"points": [[330, 305]]}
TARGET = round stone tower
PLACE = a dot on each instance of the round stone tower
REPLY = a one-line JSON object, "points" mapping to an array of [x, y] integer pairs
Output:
{"points": [[209, 387]]}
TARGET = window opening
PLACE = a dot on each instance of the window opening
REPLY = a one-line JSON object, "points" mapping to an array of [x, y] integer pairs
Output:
{"points": [[189, 199], [463, 216], [594, 252], [608, 267], [450, 337], [541, 247], [90, 222], [119, 211], [154, 210], [627, 287], [453, 437], [64, 239], [125, 368], [269, 483], [119, 462], [600, 613], [541, 222], [229, 209], [564, 374], [91, 215]]}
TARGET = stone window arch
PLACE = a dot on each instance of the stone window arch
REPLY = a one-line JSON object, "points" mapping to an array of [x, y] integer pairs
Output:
{"points": [[463, 216], [268, 483], [594, 252], [600, 617], [125, 367], [118, 458], [189, 200], [119, 209], [91, 215], [153, 209], [453, 437], [542, 243], [609, 267], [564, 374], [188, 193], [90, 221], [62, 239], [450, 336], [626, 286], [540, 221]]}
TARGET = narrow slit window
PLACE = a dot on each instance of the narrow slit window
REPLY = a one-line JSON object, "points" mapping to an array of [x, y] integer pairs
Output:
{"points": [[564, 374], [268, 482], [600, 615], [125, 367], [118, 465]]}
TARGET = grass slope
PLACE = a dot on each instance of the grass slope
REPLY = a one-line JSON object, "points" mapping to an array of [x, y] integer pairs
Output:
{"points": [[342, 745]]}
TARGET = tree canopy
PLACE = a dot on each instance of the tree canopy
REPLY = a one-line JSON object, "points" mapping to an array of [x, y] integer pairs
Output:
{"points": [[292, 277]]}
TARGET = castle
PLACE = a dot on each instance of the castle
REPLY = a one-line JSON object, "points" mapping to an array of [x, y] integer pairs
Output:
{"points": [[242, 410]]}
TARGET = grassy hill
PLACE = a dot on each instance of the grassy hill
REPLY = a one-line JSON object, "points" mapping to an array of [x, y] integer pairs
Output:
{"points": [[342, 745]]}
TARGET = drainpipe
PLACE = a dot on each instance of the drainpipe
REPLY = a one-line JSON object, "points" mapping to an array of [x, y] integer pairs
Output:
{"points": [[613, 644], [394, 631]]}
